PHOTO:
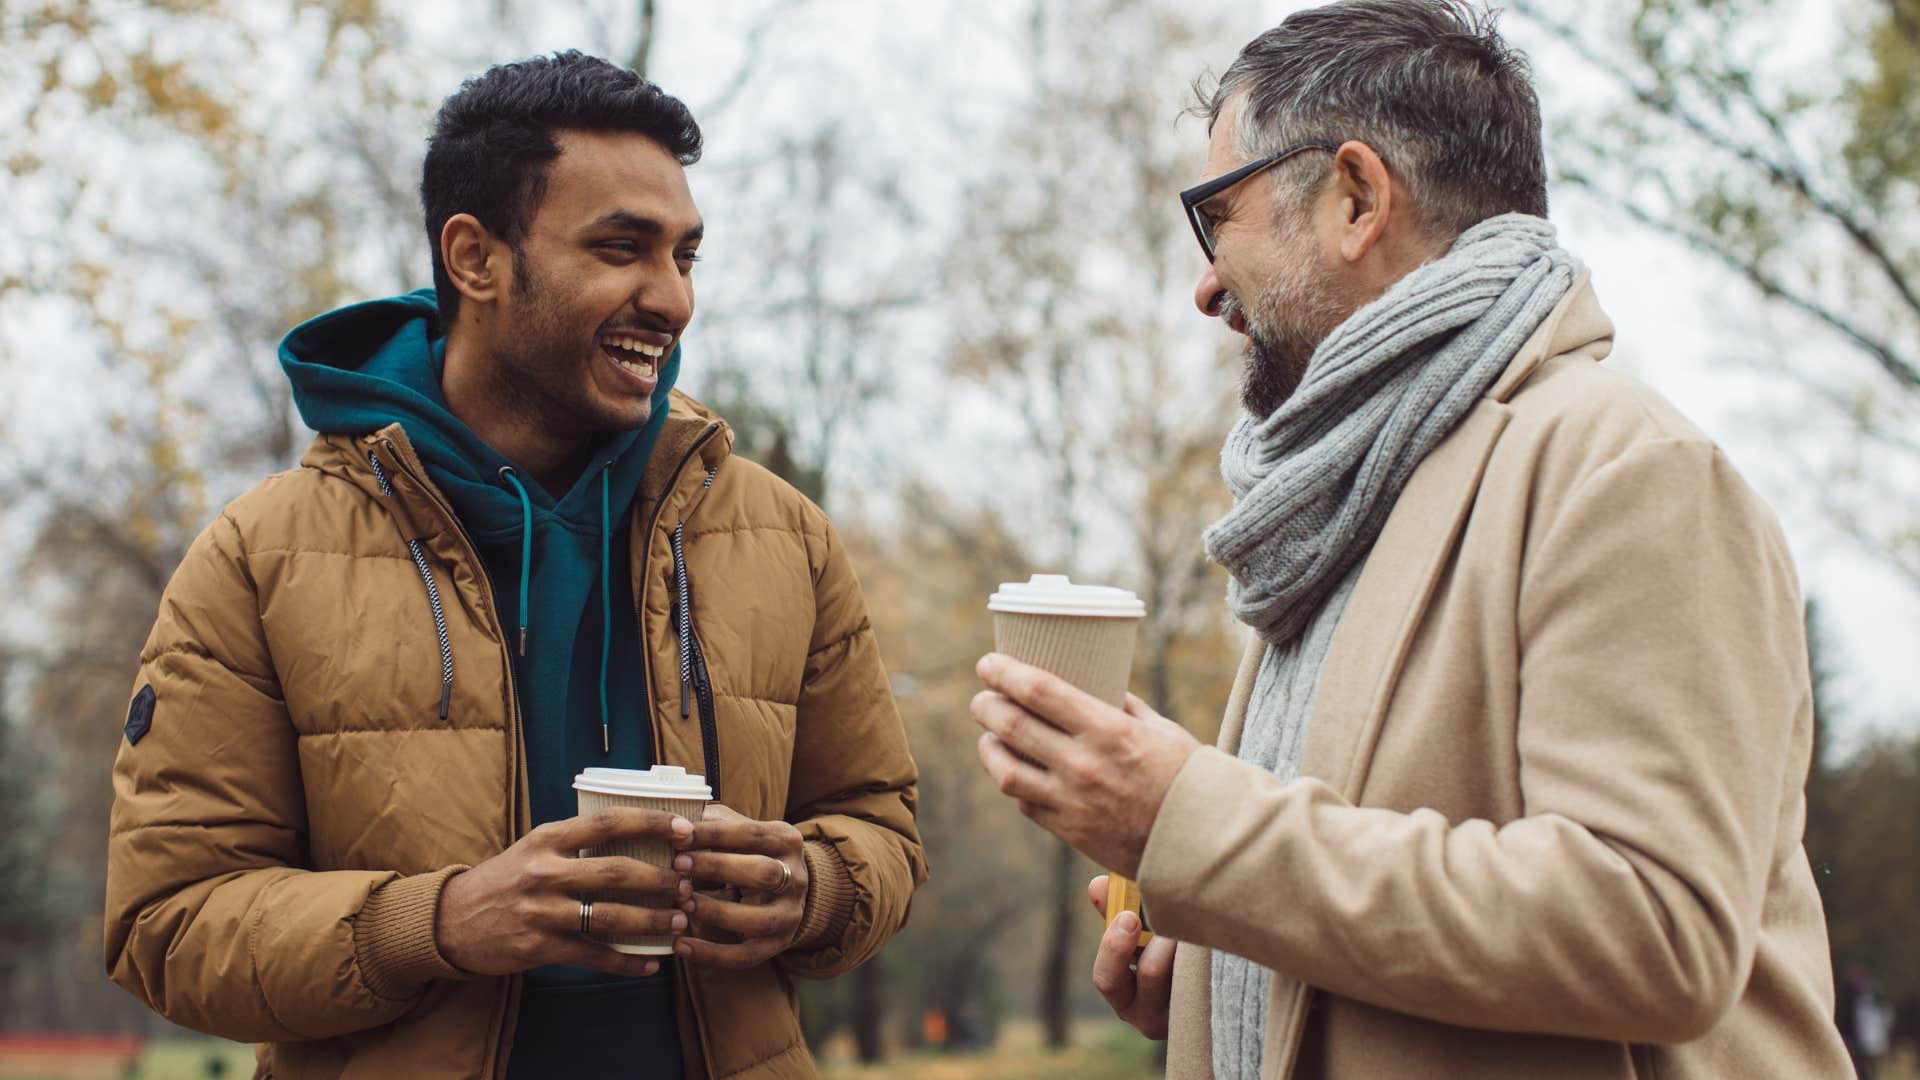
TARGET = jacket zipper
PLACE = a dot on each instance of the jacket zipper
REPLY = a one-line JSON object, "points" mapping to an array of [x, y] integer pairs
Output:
{"points": [[646, 579], [513, 704], [646, 675]]}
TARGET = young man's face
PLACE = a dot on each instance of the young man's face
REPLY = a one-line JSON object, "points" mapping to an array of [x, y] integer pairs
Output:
{"points": [[602, 285]]}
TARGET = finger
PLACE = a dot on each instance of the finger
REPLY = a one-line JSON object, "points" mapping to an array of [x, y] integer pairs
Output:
{"points": [[616, 876], [616, 919], [576, 951], [717, 954], [1042, 693], [762, 873], [1097, 893], [575, 834], [1015, 778], [1153, 977], [1022, 731], [739, 834], [1112, 963], [747, 920]]}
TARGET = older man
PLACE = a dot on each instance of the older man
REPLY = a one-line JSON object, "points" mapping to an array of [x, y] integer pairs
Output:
{"points": [[1510, 784]]}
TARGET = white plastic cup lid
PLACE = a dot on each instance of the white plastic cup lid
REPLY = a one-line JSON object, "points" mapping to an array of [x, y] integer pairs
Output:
{"points": [[1053, 594], [659, 782]]}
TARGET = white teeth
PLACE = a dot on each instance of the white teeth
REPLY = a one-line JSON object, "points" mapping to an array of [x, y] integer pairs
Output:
{"points": [[621, 341]]}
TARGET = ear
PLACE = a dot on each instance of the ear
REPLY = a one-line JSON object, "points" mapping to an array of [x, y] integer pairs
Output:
{"points": [[1364, 190], [475, 259]]}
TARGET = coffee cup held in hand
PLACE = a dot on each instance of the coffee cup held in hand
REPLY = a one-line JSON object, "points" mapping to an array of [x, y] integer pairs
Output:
{"points": [[663, 787], [1082, 633], [1085, 635]]}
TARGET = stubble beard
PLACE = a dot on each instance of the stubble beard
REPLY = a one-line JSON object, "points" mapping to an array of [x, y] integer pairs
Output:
{"points": [[1293, 313], [535, 369]]}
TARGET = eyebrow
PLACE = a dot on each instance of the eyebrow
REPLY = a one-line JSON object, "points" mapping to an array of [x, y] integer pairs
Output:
{"points": [[628, 221]]}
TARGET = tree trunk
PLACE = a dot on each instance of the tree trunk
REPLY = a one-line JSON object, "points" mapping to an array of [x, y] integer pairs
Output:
{"points": [[1054, 1001], [868, 1016]]}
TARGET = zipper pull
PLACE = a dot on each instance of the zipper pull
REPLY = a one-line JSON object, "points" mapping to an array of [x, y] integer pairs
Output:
{"points": [[686, 698]]}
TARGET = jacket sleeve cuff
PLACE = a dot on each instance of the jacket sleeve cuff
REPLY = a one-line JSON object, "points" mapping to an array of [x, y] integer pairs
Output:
{"points": [[393, 936], [829, 897], [1181, 855]]}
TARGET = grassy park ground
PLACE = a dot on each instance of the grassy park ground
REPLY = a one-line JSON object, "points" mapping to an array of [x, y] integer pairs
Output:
{"points": [[1101, 1051], [1105, 1050]]}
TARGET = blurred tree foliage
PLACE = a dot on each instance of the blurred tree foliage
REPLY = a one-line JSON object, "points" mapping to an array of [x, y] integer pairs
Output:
{"points": [[1799, 171], [1863, 833]]}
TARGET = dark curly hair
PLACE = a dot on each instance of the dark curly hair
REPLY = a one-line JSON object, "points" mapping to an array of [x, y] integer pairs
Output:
{"points": [[494, 140]]}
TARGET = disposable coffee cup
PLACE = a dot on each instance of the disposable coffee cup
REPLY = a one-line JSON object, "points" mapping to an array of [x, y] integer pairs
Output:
{"points": [[1084, 634], [663, 787]]}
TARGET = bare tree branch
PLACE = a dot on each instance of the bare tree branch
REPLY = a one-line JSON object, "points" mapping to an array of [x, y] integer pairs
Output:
{"points": [[1903, 371], [1784, 174]]}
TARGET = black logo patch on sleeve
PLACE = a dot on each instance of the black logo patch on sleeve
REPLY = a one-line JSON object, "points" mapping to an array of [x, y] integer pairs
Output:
{"points": [[140, 715]]}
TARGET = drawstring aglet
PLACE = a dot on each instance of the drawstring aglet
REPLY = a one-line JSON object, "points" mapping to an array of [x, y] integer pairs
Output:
{"points": [[523, 641], [446, 693], [686, 700], [603, 737]]}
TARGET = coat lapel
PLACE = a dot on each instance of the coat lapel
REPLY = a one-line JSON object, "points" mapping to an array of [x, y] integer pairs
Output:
{"points": [[1398, 582], [1407, 561]]}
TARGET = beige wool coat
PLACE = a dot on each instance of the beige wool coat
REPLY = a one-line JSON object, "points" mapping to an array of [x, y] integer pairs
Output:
{"points": [[1549, 817]]}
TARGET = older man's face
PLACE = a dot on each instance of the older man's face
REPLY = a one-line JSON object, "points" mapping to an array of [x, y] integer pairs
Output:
{"points": [[1270, 278]]}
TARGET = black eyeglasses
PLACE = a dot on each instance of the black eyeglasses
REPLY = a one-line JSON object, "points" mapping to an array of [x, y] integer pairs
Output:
{"points": [[1191, 198]]}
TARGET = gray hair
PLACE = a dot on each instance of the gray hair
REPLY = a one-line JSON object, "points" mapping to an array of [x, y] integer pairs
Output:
{"points": [[1428, 84]]}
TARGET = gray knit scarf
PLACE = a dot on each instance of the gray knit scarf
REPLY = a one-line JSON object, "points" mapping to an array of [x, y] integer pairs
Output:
{"points": [[1314, 482]]}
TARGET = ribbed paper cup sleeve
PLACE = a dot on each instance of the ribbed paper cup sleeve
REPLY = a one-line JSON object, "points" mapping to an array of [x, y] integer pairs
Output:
{"points": [[1093, 652], [650, 850]]}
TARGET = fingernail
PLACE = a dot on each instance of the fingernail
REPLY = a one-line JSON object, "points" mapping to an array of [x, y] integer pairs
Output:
{"points": [[679, 922], [687, 907], [683, 948], [984, 667], [683, 863], [686, 889], [650, 967], [682, 828], [1128, 922]]}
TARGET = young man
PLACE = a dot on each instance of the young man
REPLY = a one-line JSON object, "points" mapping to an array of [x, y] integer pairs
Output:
{"points": [[344, 825], [1511, 781]]}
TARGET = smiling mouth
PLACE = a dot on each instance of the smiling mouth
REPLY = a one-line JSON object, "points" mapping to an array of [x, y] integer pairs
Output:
{"points": [[635, 357]]}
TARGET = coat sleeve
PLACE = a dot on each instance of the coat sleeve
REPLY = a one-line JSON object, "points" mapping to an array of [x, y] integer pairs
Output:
{"points": [[1664, 714], [213, 919], [852, 790]]}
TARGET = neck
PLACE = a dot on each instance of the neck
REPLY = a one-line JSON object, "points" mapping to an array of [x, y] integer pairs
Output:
{"points": [[507, 420]]}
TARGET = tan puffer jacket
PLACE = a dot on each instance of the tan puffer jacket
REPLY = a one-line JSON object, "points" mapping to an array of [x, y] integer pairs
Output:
{"points": [[284, 823]]}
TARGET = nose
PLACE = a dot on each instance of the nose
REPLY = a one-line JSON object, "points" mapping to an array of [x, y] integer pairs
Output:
{"points": [[1207, 294], [667, 295]]}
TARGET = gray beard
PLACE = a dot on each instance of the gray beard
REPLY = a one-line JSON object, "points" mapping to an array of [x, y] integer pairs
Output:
{"points": [[1270, 370]]}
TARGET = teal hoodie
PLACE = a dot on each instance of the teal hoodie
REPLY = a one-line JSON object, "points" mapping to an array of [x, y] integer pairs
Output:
{"points": [[562, 584]]}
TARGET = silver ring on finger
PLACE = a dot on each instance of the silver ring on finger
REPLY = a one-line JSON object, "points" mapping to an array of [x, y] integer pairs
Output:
{"points": [[786, 878], [586, 918]]}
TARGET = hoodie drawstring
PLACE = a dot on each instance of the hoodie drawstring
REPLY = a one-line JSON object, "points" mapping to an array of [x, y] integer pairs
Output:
{"points": [[693, 672], [433, 596], [606, 580], [606, 601], [526, 546]]}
